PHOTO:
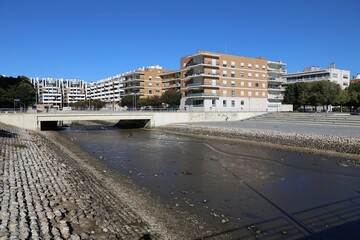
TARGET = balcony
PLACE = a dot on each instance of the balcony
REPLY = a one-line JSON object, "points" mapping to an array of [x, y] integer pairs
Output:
{"points": [[133, 87], [203, 95], [172, 86], [277, 70], [170, 80], [201, 86], [274, 79], [202, 74], [276, 89], [275, 97]]}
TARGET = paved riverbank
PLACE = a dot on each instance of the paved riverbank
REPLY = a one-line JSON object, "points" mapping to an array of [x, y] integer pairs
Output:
{"points": [[48, 192], [282, 138]]}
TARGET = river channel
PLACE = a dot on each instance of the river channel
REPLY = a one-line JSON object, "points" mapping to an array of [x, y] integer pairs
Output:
{"points": [[247, 191]]}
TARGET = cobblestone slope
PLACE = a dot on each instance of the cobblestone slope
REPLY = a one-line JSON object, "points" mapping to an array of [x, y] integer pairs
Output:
{"points": [[44, 197]]}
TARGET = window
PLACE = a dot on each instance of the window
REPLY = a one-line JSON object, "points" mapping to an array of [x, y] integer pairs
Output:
{"points": [[157, 91], [242, 102], [232, 74], [224, 83], [263, 94], [224, 103], [263, 67], [232, 83], [256, 93], [232, 103], [150, 84], [256, 66], [264, 75], [256, 75], [345, 76], [232, 93], [150, 91], [249, 93], [232, 64], [334, 75], [242, 64], [242, 84], [224, 73], [256, 84], [150, 78], [242, 93], [249, 84], [224, 93], [198, 103], [158, 84], [249, 65], [213, 103], [224, 63], [242, 74], [249, 74]]}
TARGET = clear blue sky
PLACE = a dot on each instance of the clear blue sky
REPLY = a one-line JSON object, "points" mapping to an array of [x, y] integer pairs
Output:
{"points": [[95, 39]]}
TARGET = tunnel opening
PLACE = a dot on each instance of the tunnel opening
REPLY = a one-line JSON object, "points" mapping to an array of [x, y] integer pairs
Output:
{"points": [[140, 123]]}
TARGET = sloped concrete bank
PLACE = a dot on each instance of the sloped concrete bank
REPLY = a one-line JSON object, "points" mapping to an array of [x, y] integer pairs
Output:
{"points": [[50, 189], [332, 145]]}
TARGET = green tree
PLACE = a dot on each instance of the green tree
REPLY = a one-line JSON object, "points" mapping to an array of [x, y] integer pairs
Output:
{"points": [[172, 98], [16, 88], [129, 101], [354, 93], [343, 98]]}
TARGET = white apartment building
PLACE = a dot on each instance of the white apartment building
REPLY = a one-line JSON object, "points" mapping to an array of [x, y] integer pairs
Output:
{"points": [[107, 90], [58, 92], [311, 74], [276, 71]]}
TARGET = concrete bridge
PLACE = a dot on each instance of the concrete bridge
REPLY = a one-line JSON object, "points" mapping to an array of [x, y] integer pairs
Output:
{"points": [[45, 121]]}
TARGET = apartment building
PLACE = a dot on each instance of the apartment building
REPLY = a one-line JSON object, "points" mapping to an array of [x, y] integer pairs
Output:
{"points": [[170, 81], [107, 90], [58, 92], [222, 82], [311, 74], [144, 82]]}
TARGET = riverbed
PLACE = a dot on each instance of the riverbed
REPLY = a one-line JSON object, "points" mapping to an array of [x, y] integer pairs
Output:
{"points": [[242, 189]]}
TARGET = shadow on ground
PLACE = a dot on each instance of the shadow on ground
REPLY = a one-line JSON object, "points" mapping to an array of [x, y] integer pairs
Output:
{"points": [[337, 220], [6, 134]]}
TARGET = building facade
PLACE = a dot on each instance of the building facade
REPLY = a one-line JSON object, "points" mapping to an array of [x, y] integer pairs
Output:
{"points": [[222, 82], [143, 82], [312, 74], [58, 92], [107, 90], [170, 81]]}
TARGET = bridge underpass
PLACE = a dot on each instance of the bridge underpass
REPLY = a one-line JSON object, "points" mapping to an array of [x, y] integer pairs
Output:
{"points": [[42, 121]]}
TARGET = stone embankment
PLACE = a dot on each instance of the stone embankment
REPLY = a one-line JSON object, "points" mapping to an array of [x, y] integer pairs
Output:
{"points": [[333, 144], [45, 196]]}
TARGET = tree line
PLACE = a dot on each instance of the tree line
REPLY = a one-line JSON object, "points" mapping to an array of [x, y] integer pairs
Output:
{"points": [[169, 98], [322, 93], [16, 92]]}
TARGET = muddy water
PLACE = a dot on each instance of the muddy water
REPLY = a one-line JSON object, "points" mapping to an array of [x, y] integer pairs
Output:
{"points": [[245, 190]]}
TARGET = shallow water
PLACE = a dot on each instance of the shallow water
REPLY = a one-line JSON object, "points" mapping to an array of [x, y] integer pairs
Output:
{"points": [[246, 190]]}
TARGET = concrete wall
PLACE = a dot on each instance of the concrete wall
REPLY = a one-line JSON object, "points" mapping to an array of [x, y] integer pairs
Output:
{"points": [[33, 121], [22, 120], [160, 119]]}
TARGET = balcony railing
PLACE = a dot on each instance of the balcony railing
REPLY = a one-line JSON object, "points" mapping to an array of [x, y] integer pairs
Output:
{"points": [[203, 95]]}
